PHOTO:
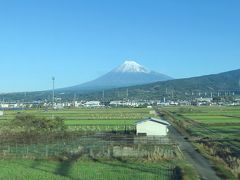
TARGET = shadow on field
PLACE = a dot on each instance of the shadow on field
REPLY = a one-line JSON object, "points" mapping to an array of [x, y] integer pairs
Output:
{"points": [[62, 169], [139, 168], [35, 166], [65, 165]]}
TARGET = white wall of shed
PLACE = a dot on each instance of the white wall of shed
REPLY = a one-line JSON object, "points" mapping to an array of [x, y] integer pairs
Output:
{"points": [[152, 128]]}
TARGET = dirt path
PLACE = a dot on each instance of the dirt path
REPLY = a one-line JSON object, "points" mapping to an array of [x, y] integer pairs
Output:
{"points": [[201, 164]]}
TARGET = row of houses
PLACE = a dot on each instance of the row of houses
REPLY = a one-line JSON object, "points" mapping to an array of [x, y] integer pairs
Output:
{"points": [[118, 103], [129, 103], [12, 105], [77, 104]]}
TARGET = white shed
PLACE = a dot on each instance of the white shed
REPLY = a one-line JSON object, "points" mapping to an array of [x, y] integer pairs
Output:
{"points": [[152, 127]]}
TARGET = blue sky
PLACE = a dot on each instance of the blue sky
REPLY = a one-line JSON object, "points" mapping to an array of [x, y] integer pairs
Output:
{"points": [[79, 40]]}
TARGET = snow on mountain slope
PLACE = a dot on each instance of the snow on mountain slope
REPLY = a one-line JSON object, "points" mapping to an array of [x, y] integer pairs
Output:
{"points": [[131, 66]]}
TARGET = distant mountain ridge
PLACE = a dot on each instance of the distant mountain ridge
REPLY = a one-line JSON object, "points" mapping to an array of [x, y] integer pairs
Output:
{"points": [[128, 74], [226, 82], [187, 88]]}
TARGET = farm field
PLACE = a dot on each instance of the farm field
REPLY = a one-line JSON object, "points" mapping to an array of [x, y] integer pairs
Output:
{"points": [[105, 153], [215, 131], [85, 119], [83, 169], [217, 123], [83, 116]]}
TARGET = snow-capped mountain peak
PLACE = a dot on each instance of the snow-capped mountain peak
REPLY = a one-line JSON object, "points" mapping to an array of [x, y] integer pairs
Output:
{"points": [[131, 67], [129, 73]]}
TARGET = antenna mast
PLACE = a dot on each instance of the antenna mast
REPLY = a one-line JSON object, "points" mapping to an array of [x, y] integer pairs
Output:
{"points": [[53, 91], [103, 95]]}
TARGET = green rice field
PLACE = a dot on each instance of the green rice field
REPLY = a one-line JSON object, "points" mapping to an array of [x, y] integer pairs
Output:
{"points": [[45, 161], [217, 130], [83, 116], [83, 169]]}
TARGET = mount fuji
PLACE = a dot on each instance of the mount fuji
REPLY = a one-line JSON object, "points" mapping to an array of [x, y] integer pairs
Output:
{"points": [[128, 74]]}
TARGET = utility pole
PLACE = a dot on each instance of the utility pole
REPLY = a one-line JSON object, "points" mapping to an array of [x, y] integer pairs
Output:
{"points": [[239, 84], [74, 100], [103, 95], [53, 91]]}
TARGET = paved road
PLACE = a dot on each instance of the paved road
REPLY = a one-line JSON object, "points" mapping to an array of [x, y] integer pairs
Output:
{"points": [[201, 164]]}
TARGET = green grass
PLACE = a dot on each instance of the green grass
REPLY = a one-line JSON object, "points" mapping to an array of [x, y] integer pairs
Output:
{"points": [[216, 122], [87, 120], [83, 169], [100, 122], [209, 119], [83, 116], [83, 119], [220, 125]]}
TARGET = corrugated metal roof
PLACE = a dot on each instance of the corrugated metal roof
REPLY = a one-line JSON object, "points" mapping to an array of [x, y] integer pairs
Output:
{"points": [[155, 120]]}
